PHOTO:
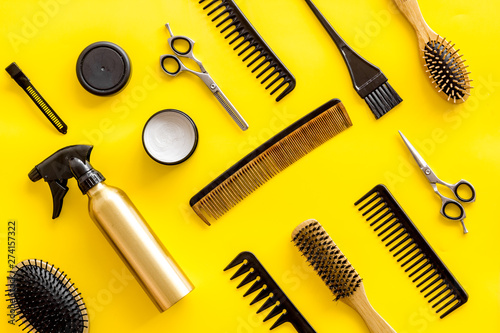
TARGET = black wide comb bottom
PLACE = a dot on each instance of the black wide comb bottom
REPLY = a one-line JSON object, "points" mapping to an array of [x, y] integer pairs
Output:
{"points": [[382, 100], [267, 286], [412, 250]]}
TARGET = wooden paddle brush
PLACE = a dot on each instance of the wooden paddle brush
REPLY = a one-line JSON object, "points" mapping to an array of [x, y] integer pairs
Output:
{"points": [[444, 65], [337, 272]]}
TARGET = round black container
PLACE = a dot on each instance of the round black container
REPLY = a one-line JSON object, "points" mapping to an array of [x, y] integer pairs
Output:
{"points": [[103, 68], [170, 137]]}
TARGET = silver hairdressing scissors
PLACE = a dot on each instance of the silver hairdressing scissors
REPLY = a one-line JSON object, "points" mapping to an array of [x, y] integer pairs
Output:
{"points": [[434, 180], [203, 74]]}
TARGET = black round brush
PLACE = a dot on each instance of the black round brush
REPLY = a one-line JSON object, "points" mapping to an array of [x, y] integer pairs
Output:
{"points": [[45, 299]]}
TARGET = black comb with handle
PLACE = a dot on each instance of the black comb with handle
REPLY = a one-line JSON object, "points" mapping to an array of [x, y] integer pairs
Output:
{"points": [[398, 231], [243, 31], [267, 285]]}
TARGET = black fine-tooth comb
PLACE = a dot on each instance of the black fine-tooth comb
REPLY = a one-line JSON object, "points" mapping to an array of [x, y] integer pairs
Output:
{"points": [[246, 34], [412, 246], [265, 282]]}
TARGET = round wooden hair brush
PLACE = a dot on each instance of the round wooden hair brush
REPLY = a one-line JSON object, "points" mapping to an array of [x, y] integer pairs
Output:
{"points": [[45, 300], [337, 272], [444, 65]]}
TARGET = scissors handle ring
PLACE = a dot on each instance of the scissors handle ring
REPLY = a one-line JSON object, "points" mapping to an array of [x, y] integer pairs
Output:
{"points": [[172, 41], [447, 202], [462, 182], [169, 56]]}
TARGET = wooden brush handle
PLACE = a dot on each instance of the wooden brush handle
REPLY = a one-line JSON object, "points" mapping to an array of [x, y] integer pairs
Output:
{"points": [[413, 14], [359, 302]]}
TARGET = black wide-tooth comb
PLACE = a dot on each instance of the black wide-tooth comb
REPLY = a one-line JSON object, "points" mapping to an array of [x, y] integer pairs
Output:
{"points": [[265, 282], [398, 231], [246, 34]]}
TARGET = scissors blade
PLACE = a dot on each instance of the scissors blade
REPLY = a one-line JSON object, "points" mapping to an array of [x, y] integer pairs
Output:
{"points": [[420, 161], [169, 30], [223, 100]]}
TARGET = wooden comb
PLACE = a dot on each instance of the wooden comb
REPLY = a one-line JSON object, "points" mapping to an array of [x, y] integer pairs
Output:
{"points": [[269, 159]]}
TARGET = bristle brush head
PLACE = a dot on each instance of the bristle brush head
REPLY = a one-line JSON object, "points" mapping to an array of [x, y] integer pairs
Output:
{"points": [[446, 70], [326, 259], [45, 300]]}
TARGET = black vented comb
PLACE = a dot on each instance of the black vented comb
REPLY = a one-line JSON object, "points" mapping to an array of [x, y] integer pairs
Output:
{"points": [[265, 282], [245, 33], [399, 232]]}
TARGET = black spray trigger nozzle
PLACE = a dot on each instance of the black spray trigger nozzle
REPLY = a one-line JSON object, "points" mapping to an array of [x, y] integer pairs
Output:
{"points": [[66, 163], [34, 175], [58, 191]]}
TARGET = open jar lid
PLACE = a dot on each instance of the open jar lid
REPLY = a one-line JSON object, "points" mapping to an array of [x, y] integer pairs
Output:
{"points": [[170, 137]]}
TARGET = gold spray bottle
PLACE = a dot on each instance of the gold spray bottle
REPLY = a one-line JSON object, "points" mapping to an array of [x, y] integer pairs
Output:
{"points": [[119, 221]]}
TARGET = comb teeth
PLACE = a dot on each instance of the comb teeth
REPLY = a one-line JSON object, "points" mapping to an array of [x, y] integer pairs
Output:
{"points": [[269, 159], [326, 259], [382, 100], [412, 251], [44, 299], [240, 30], [268, 289], [446, 69]]}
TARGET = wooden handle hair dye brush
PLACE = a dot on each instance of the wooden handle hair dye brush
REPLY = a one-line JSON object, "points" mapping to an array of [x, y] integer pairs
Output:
{"points": [[444, 65], [337, 272]]}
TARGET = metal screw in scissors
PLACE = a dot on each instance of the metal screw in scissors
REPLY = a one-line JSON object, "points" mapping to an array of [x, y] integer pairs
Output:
{"points": [[203, 75], [434, 180]]}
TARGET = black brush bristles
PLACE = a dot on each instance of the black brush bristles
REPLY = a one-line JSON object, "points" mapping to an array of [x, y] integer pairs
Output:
{"points": [[268, 289], [368, 80], [327, 260], [269, 159], [229, 16], [382, 98], [45, 300], [416, 256], [446, 69]]}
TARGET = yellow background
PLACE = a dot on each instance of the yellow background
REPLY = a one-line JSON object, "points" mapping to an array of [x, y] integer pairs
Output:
{"points": [[45, 38]]}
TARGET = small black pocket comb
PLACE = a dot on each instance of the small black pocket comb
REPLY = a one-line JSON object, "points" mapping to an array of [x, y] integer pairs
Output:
{"points": [[283, 305], [446, 291], [245, 33], [22, 80]]}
